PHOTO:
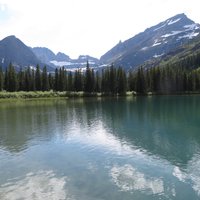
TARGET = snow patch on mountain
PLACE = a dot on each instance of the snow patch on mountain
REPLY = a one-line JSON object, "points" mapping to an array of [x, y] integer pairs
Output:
{"points": [[159, 27], [158, 55], [156, 44], [189, 35], [65, 63], [173, 21], [191, 27], [60, 63], [171, 34], [144, 48]]}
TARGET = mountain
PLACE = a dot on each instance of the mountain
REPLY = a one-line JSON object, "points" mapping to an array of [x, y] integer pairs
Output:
{"points": [[61, 59], [43, 54], [153, 42], [13, 50]]}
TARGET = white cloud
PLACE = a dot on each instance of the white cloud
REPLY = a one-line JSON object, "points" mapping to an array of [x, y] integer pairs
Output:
{"points": [[87, 26]]}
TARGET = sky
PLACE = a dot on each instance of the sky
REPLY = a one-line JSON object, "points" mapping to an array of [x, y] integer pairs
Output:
{"points": [[86, 27]]}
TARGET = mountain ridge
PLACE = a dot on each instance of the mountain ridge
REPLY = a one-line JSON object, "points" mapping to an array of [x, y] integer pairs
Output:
{"points": [[153, 42], [13, 50]]}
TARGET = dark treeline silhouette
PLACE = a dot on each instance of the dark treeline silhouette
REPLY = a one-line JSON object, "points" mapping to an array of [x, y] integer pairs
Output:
{"points": [[162, 80]]}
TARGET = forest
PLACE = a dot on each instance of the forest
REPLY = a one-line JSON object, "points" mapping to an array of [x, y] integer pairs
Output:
{"points": [[111, 80]]}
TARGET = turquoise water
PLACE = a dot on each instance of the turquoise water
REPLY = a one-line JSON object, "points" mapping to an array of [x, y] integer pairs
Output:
{"points": [[100, 149]]}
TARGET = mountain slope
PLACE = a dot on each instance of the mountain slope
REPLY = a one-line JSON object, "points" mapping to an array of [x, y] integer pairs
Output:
{"points": [[13, 50], [153, 42], [186, 56], [44, 54]]}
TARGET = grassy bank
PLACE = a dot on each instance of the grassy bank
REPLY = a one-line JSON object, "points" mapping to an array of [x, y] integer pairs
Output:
{"points": [[52, 94], [30, 95]]}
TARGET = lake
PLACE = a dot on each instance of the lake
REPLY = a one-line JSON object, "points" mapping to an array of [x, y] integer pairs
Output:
{"points": [[100, 149]]}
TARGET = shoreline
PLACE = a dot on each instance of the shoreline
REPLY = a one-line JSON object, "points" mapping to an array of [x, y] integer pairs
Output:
{"points": [[67, 95]]}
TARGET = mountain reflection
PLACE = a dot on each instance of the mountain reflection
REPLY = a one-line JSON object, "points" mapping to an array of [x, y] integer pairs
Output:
{"points": [[163, 126]]}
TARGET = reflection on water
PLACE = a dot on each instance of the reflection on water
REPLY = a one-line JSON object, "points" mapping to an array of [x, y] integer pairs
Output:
{"points": [[43, 185], [145, 147], [127, 178]]}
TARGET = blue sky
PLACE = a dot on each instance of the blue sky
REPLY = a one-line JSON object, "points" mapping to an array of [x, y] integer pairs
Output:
{"points": [[86, 26]]}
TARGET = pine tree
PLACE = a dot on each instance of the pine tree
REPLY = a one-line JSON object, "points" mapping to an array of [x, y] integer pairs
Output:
{"points": [[140, 81], [89, 81], [56, 82], [21, 79], [38, 79], [33, 86], [1, 79], [45, 80], [131, 81], [28, 80], [70, 85], [62, 79], [121, 81], [113, 80], [97, 83], [6, 80], [78, 81], [51, 81], [12, 83]]}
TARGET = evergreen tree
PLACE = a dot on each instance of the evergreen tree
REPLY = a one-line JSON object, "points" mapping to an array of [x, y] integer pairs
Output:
{"points": [[51, 81], [131, 81], [12, 83], [28, 80], [121, 81], [70, 85], [103, 81], [97, 83], [62, 79], [156, 74], [78, 80], [38, 79], [6, 80], [89, 80], [56, 82], [33, 86], [140, 81], [113, 80], [45, 80], [21, 79], [1, 79]]}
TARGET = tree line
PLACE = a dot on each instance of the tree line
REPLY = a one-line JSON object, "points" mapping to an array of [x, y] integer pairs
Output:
{"points": [[111, 80]]}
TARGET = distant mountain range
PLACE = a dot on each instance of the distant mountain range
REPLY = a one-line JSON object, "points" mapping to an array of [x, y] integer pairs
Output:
{"points": [[61, 59], [149, 47]]}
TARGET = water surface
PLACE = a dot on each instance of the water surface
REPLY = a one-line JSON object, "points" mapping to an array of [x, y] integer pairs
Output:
{"points": [[100, 149]]}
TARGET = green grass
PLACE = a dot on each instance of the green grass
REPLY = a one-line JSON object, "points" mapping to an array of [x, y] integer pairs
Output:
{"points": [[31, 95], [52, 94]]}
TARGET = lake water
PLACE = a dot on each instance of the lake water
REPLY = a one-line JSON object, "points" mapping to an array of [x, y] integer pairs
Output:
{"points": [[100, 149]]}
